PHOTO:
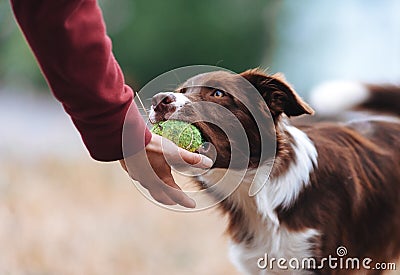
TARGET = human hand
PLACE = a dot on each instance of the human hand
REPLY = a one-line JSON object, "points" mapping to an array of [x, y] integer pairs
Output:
{"points": [[151, 169]]}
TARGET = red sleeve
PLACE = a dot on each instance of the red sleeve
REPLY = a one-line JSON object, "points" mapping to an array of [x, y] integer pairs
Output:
{"points": [[69, 40]]}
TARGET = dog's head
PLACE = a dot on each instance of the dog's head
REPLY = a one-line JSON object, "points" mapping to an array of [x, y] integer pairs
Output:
{"points": [[221, 103]]}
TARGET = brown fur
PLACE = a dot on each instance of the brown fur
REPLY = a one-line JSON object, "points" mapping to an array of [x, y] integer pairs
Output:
{"points": [[383, 99], [353, 198], [355, 193]]}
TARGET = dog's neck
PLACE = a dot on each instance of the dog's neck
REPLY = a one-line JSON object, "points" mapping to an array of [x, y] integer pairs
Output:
{"points": [[295, 160]]}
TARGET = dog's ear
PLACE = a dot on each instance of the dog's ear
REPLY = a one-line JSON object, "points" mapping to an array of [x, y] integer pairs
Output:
{"points": [[277, 93]]}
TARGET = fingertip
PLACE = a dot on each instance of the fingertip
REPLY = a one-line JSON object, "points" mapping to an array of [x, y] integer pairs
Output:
{"points": [[163, 198], [196, 159], [189, 203], [206, 162], [180, 197]]}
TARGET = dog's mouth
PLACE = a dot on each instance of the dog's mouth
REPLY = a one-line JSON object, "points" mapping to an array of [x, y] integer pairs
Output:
{"points": [[207, 148]]}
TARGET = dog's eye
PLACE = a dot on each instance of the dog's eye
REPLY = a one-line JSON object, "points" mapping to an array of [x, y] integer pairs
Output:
{"points": [[218, 94]]}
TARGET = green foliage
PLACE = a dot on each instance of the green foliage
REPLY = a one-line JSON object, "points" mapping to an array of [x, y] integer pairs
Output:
{"points": [[163, 35], [18, 67], [151, 37]]}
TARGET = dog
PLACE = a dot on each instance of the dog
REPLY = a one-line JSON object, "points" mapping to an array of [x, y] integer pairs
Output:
{"points": [[334, 183]]}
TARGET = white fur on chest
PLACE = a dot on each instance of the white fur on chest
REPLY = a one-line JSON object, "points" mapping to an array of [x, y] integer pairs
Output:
{"points": [[285, 189], [271, 237]]}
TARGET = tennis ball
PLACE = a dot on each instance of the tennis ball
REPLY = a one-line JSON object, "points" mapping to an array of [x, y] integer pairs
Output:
{"points": [[183, 134]]}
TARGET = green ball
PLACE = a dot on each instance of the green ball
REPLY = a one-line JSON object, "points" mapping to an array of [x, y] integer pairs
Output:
{"points": [[183, 134]]}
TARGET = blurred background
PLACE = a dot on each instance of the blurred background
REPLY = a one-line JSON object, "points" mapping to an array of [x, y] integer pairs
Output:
{"points": [[63, 213]]}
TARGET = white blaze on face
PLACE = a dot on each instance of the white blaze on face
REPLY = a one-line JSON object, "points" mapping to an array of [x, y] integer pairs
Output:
{"points": [[180, 101]]}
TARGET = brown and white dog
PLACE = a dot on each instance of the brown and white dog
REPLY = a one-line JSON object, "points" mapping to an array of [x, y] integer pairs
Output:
{"points": [[332, 184]]}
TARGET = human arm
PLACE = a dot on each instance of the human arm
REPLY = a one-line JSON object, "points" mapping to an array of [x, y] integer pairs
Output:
{"points": [[69, 40]]}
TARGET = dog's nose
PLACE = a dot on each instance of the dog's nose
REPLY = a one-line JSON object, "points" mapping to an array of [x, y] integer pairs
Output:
{"points": [[161, 100]]}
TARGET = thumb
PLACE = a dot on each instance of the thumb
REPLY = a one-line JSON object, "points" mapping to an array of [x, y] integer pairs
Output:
{"points": [[198, 160]]}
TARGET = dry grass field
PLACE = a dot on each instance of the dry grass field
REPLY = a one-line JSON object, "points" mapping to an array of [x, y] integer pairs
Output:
{"points": [[84, 217]]}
